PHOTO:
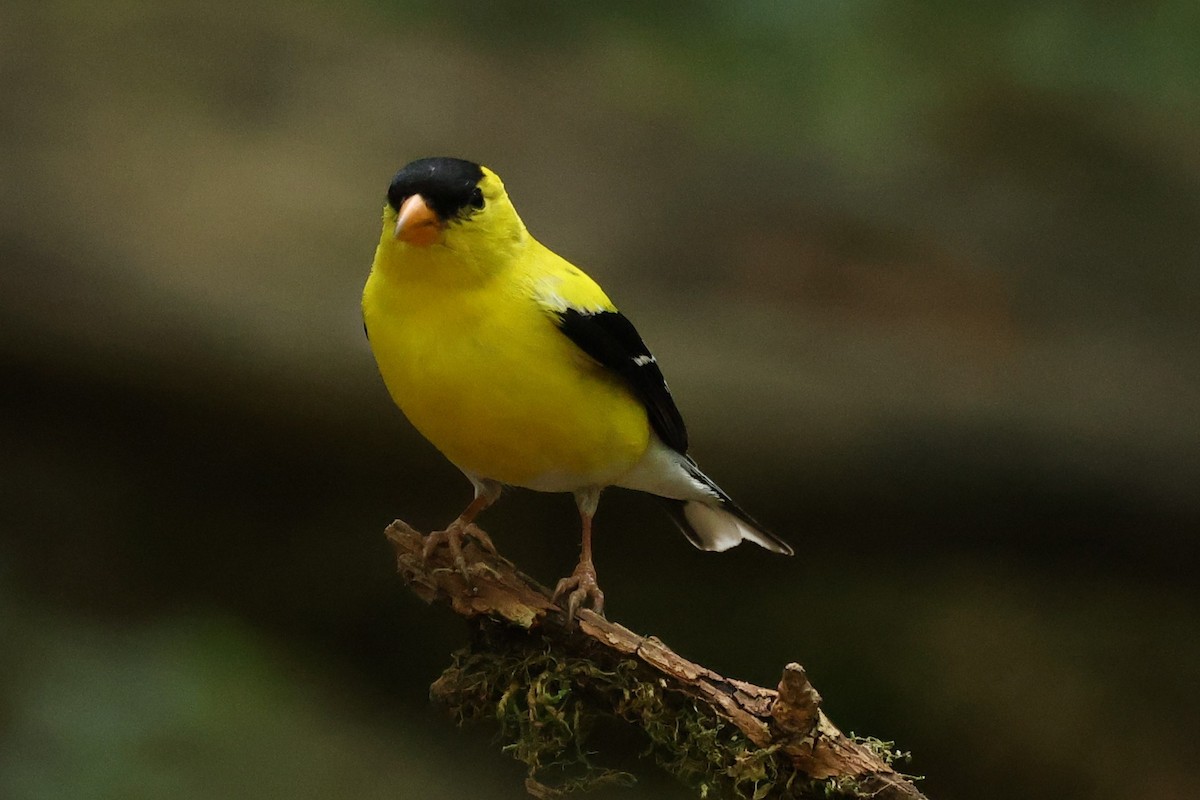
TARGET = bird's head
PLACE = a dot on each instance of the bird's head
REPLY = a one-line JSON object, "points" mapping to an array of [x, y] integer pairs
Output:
{"points": [[435, 205]]}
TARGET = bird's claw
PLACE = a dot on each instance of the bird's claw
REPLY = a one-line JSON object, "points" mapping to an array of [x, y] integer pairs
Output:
{"points": [[482, 567], [474, 569], [581, 590], [452, 538], [481, 538]]}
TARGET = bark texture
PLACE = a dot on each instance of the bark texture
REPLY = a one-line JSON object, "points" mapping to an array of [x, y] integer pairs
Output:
{"points": [[779, 741]]}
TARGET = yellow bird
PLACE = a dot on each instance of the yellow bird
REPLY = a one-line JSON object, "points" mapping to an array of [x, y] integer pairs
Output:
{"points": [[521, 371]]}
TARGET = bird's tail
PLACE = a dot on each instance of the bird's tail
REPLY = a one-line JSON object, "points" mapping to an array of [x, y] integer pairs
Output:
{"points": [[707, 516], [719, 524]]}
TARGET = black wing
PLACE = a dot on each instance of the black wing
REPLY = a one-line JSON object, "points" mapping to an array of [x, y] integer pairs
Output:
{"points": [[613, 341]]}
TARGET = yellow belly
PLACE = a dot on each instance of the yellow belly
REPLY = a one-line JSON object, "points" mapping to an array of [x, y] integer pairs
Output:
{"points": [[491, 382]]}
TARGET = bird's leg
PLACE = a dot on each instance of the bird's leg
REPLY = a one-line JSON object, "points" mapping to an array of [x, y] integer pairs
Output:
{"points": [[580, 586], [464, 525]]}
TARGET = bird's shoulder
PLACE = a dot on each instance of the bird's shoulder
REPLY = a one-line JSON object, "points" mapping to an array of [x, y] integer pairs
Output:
{"points": [[557, 285], [587, 317]]}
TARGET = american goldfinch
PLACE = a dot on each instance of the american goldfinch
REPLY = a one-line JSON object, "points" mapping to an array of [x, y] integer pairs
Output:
{"points": [[521, 371]]}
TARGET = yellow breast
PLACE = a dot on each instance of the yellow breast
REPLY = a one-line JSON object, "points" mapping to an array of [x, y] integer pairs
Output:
{"points": [[482, 372]]}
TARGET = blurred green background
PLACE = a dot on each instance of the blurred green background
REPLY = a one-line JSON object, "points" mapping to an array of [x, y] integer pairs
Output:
{"points": [[925, 279]]}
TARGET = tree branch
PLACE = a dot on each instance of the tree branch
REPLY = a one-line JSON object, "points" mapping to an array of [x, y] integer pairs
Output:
{"points": [[548, 683]]}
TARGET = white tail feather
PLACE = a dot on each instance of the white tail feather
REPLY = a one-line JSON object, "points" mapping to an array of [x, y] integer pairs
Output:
{"points": [[720, 530], [705, 514]]}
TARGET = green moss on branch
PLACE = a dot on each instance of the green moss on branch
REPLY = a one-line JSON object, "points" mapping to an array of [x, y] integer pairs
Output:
{"points": [[547, 706], [553, 685]]}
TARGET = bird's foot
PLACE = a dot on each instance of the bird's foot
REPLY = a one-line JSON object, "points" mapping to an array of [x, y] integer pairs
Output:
{"points": [[580, 590], [481, 538], [452, 538]]}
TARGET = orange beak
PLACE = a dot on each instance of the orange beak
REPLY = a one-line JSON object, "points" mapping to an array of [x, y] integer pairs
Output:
{"points": [[416, 223]]}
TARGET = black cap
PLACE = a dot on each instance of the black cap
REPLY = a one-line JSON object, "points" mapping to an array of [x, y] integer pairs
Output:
{"points": [[447, 184]]}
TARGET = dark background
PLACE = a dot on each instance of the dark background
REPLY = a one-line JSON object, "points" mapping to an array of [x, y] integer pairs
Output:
{"points": [[923, 278]]}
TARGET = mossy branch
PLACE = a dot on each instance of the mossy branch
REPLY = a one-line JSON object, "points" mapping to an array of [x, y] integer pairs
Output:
{"points": [[549, 684]]}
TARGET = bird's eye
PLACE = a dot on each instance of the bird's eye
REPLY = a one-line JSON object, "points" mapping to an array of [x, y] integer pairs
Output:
{"points": [[477, 198]]}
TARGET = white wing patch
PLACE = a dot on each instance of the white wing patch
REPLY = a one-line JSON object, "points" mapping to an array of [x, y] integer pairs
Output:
{"points": [[642, 361], [545, 289]]}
